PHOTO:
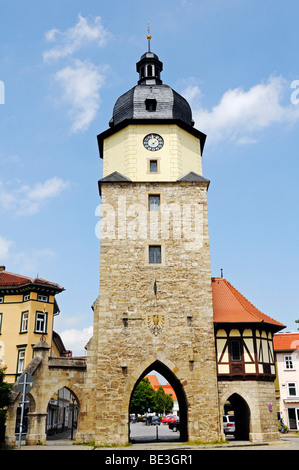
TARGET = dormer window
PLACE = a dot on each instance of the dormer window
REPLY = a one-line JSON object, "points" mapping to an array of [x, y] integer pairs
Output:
{"points": [[150, 104]]}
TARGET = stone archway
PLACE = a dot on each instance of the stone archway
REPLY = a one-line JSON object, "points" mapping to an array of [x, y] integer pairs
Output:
{"points": [[166, 372], [242, 416], [63, 413]]}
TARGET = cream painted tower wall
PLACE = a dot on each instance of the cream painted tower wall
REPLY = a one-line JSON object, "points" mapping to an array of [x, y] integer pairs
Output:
{"points": [[124, 152]]}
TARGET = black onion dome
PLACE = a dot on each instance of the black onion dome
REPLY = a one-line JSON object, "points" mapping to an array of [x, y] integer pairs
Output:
{"points": [[150, 99]]}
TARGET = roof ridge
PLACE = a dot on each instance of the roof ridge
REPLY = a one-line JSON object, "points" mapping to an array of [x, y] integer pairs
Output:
{"points": [[250, 303], [18, 275], [232, 289]]}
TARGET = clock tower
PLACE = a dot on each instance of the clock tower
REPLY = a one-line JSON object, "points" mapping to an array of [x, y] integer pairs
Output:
{"points": [[154, 310]]}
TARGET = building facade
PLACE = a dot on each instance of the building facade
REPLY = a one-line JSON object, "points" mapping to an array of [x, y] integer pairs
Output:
{"points": [[27, 310], [245, 362], [286, 347]]}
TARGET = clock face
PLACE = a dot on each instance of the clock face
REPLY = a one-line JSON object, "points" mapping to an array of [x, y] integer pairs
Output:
{"points": [[153, 142]]}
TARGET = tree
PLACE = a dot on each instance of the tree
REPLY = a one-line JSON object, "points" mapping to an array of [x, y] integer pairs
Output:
{"points": [[5, 400], [143, 398], [163, 402]]}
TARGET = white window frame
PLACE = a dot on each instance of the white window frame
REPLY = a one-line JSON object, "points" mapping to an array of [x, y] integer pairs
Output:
{"points": [[289, 362], [42, 298], [26, 297], [21, 360], [1, 300], [24, 322], [292, 386], [40, 322]]}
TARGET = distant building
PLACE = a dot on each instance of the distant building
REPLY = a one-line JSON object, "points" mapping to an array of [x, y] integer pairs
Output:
{"points": [[27, 310], [154, 381], [286, 347]]}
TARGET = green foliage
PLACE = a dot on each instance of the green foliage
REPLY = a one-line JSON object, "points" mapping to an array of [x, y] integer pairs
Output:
{"points": [[5, 389], [5, 400], [163, 402], [142, 398], [145, 397]]}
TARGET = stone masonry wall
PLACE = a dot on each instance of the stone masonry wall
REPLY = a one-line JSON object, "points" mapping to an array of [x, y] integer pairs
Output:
{"points": [[133, 328]]}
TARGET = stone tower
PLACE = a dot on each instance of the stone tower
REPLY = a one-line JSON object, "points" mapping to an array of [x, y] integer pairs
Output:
{"points": [[154, 310]]}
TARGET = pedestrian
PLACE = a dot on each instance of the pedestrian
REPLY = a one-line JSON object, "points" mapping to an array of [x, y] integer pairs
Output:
{"points": [[282, 425]]}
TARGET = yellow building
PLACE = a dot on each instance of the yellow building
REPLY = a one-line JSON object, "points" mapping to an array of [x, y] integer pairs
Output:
{"points": [[27, 310]]}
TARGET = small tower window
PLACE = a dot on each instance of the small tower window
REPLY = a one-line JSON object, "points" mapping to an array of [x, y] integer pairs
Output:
{"points": [[149, 70], [153, 166], [150, 104], [155, 254], [154, 202]]}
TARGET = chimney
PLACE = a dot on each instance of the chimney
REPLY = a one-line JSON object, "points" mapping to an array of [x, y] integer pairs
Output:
{"points": [[2, 268]]}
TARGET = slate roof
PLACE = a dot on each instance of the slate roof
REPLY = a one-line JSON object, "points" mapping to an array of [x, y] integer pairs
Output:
{"points": [[115, 177], [170, 105], [192, 176], [229, 306]]}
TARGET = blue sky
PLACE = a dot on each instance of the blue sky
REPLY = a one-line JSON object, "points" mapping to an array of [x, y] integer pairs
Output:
{"points": [[63, 65]]}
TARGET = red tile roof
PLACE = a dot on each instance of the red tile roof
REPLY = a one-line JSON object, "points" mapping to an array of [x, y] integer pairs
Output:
{"points": [[153, 379], [286, 341], [229, 306], [16, 280]]}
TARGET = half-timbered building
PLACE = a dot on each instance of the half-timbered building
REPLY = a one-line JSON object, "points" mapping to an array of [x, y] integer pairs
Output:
{"points": [[245, 357]]}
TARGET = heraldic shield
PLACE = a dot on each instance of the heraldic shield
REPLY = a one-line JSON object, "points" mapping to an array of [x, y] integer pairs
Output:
{"points": [[155, 322]]}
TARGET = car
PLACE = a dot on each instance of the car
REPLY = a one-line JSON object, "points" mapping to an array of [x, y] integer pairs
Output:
{"points": [[172, 419], [229, 426], [165, 419], [174, 425], [155, 420]]}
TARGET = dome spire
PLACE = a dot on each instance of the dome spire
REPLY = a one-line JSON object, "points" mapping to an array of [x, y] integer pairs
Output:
{"points": [[149, 37], [149, 67]]}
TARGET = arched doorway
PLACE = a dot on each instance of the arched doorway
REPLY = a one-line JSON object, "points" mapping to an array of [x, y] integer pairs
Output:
{"points": [[62, 415], [237, 406], [170, 377]]}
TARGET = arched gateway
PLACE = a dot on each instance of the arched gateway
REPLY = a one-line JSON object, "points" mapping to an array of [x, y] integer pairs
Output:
{"points": [[179, 392]]}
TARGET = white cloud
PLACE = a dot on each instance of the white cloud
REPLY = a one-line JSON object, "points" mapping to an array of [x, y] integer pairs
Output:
{"points": [[28, 200], [240, 114], [81, 84], [76, 340], [5, 246], [83, 33]]}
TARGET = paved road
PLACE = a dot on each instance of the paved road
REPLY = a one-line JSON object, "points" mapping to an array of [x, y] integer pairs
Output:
{"points": [[145, 439], [139, 432]]}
